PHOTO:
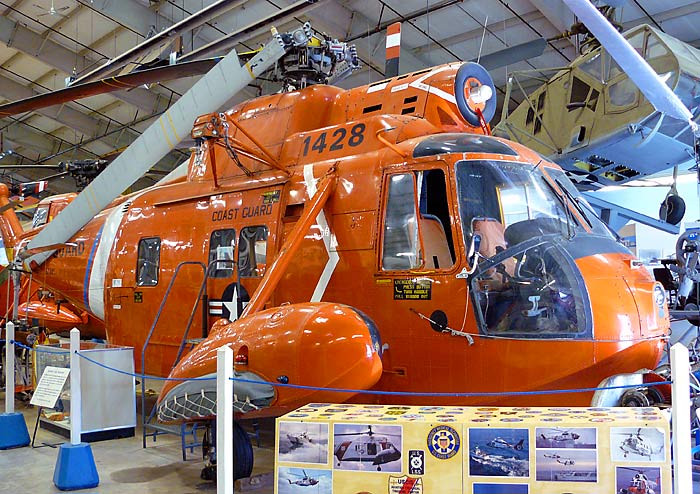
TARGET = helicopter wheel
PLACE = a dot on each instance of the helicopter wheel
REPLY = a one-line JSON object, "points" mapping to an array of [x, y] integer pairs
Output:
{"points": [[672, 209], [208, 473], [379, 469], [634, 398], [242, 453]]}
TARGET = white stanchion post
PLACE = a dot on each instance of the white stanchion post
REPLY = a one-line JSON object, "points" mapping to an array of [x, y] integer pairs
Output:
{"points": [[76, 417], [13, 429], [9, 368], [224, 420], [75, 466], [680, 417]]}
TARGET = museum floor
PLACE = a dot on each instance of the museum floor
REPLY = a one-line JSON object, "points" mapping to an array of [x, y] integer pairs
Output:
{"points": [[125, 467]]}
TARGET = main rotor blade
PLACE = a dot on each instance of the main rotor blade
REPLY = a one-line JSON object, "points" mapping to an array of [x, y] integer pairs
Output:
{"points": [[646, 79], [513, 54], [30, 167], [207, 95], [111, 84]]}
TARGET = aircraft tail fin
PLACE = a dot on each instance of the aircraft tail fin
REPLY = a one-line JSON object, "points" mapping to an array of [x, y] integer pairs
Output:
{"points": [[393, 50], [10, 227], [519, 446]]}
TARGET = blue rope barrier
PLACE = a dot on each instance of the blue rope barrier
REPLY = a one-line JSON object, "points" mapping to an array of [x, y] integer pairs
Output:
{"points": [[411, 393], [356, 391], [145, 376], [37, 350]]}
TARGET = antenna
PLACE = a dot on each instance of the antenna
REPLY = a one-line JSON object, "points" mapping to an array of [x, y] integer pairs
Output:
{"points": [[483, 35]]}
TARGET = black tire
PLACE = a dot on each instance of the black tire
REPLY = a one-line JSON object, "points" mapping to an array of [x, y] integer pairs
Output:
{"points": [[465, 72], [672, 209], [242, 453], [634, 398]]}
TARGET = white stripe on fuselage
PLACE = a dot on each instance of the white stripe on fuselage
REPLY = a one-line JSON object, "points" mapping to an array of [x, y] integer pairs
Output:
{"points": [[96, 287], [329, 240]]}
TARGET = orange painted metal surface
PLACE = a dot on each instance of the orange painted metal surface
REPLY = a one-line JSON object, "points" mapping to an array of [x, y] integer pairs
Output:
{"points": [[340, 258]]}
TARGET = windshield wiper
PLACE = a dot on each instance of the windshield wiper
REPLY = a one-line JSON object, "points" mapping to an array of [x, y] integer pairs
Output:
{"points": [[575, 201]]}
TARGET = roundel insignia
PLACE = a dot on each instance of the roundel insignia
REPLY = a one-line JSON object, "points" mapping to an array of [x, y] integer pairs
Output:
{"points": [[443, 442]]}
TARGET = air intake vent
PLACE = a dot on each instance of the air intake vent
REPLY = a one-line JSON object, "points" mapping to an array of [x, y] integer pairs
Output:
{"points": [[370, 109]]}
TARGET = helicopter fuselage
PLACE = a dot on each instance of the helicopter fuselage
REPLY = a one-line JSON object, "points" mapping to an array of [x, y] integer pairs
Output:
{"points": [[560, 305]]}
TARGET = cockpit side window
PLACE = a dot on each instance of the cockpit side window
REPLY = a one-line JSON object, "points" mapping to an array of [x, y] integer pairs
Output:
{"points": [[417, 226], [148, 263], [401, 247]]}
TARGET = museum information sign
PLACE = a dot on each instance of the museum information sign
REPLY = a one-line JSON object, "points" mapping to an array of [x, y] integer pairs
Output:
{"points": [[50, 386]]}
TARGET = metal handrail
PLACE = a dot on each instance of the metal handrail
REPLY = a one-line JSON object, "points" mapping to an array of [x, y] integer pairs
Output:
{"points": [[151, 331], [207, 271], [202, 288]]}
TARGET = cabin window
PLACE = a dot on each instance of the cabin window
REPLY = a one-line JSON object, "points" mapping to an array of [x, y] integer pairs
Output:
{"points": [[593, 67], [579, 93], [221, 246], [401, 249], [252, 251], [655, 48], [148, 262], [526, 283]]}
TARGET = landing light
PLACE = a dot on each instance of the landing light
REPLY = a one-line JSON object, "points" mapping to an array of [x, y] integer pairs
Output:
{"points": [[480, 94]]}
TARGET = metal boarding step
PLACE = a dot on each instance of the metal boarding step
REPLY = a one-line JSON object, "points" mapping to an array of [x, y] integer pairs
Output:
{"points": [[188, 432]]}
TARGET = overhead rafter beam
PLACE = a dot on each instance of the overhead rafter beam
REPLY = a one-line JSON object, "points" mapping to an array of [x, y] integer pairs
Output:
{"points": [[139, 19], [26, 141], [256, 27], [666, 15], [476, 34], [556, 12], [191, 22]]}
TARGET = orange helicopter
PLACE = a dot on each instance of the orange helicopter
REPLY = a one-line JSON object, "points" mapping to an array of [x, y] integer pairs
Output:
{"points": [[376, 238]]}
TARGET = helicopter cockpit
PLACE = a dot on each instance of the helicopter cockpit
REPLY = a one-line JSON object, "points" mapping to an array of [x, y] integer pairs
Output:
{"points": [[521, 223]]}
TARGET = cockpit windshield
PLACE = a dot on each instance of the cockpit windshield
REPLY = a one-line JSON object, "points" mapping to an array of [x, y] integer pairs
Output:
{"points": [[526, 283], [515, 196]]}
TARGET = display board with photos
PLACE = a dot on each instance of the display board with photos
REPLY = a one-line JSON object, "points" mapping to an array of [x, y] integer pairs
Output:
{"points": [[372, 449]]}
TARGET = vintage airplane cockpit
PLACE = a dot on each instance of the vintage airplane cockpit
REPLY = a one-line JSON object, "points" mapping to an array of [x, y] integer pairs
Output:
{"points": [[678, 65], [676, 62]]}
